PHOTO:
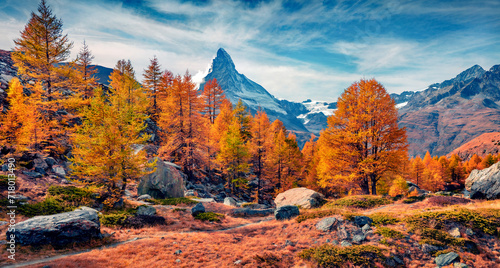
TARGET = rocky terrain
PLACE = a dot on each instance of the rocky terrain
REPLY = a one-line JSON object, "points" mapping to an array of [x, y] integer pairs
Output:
{"points": [[447, 115], [484, 144]]}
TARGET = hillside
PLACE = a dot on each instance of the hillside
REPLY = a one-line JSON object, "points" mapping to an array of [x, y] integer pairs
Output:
{"points": [[487, 143], [447, 115]]}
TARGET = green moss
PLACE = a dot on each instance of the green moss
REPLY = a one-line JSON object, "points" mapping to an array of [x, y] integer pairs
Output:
{"points": [[334, 256], [360, 201], [244, 205], [179, 209], [47, 207], [172, 201], [413, 199], [382, 218], [113, 219], [389, 233], [210, 216]]}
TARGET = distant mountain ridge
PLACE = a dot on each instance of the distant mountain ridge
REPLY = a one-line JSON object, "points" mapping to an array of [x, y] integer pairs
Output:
{"points": [[449, 114]]}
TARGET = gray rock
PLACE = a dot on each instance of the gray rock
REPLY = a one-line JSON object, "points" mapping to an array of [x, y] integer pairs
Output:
{"points": [[345, 243], [429, 249], [2, 223], [286, 212], [40, 163], [303, 197], [205, 200], [248, 212], [189, 193], [5, 167], [177, 252], [446, 259], [484, 183], [178, 261], [460, 265], [50, 161], [229, 201], [469, 232], [144, 197], [343, 234], [32, 174], [326, 224], [335, 242], [165, 182], [87, 208], [58, 229], [455, 232], [59, 170], [237, 262], [289, 243], [127, 193], [357, 239], [199, 208], [366, 228], [362, 220], [146, 210], [19, 198]]}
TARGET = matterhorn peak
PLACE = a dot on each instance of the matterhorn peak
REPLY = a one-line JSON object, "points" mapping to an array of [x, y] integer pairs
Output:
{"points": [[222, 61]]}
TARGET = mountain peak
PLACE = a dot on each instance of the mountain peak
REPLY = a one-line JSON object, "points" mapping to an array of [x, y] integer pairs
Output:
{"points": [[471, 73], [222, 61]]}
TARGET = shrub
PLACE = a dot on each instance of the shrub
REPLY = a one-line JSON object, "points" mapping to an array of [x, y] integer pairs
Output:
{"points": [[48, 206], [172, 201], [399, 187], [360, 201], [209, 216], [4, 181], [179, 210], [244, 205], [113, 219], [140, 221], [71, 195], [389, 233], [382, 218], [334, 256], [447, 200], [413, 199]]}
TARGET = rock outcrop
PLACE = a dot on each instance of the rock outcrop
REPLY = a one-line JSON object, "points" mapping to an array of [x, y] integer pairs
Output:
{"points": [[286, 212], [484, 183], [166, 182], [58, 229], [303, 197]]}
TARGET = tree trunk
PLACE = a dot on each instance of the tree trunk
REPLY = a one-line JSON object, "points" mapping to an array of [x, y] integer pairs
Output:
{"points": [[374, 180], [365, 187]]}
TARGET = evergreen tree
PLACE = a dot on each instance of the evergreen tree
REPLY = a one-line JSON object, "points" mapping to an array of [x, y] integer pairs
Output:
{"points": [[152, 80]]}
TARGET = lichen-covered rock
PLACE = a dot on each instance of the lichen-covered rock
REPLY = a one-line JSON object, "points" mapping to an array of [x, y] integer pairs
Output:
{"points": [[146, 210], [303, 197], [286, 212], [362, 220], [248, 212], [58, 229], [165, 182], [446, 259], [484, 183], [199, 208], [326, 224], [229, 201]]}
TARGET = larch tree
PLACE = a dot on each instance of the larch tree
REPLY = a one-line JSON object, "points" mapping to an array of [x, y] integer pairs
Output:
{"points": [[183, 126], [363, 139], [151, 81], [213, 96], [258, 150], [86, 70], [103, 146], [418, 169], [41, 47], [310, 164]]}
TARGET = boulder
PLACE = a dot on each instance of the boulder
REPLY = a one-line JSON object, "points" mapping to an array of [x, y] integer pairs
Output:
{"points": [[59, 170], [50, 161], [40, 164], [429, 249], [58, 229], [165, 182], [357, 239], [286, 212], [144, 197], [345, 243], [326, 224], [455, 232], [303, 197], [32, 174], [199, 208], [229, 201], [362, 220], [446, 259], [146, 210], [248, 212], [484, 183]]}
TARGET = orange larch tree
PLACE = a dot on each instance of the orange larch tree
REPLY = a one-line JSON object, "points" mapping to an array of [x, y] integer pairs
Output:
{"points": [[151, 82], [213, 96], [258, 150], [363, 139]]}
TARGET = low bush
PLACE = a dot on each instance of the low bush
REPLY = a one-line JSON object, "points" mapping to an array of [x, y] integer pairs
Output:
{"points": [[48, 206], [389, 233], [4, 181], [383, 218], [268, 260], [179, 210], [447, 200], [72, 196], [360, 201], [413, 199], [113, 219], [210, 216], [140, 221], [172, 201], [335, 256]]}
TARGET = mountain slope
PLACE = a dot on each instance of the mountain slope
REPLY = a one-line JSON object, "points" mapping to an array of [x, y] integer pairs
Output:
{"points": [[446, 115], [487, 143], [237, 86]]}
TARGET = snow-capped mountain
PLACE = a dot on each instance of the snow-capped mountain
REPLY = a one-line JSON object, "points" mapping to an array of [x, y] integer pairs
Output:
{"points": [[237, 86]]}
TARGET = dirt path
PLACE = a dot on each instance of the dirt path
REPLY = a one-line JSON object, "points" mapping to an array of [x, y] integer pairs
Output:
{"points": [[49, 259]]}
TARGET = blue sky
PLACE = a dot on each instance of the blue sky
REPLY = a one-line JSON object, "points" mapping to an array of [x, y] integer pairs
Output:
{"points": [[295, 49]]}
